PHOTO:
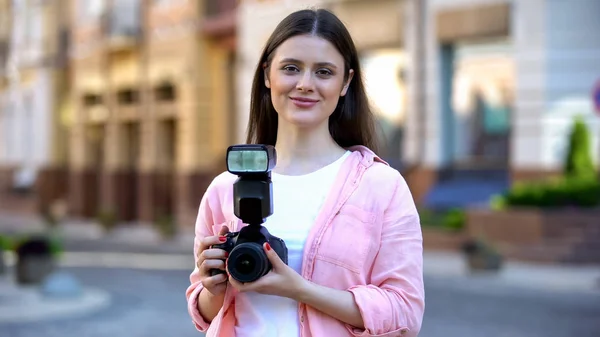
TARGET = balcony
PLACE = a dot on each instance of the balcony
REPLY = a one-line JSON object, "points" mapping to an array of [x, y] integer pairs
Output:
{"points": [[219, 18], [124, 25]]}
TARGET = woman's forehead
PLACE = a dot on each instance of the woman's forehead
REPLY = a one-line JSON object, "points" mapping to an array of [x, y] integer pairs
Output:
{"points": [[308, 49]]}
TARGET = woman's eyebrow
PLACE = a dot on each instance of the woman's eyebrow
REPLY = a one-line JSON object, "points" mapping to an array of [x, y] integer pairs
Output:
{"points": [[320, 64]]}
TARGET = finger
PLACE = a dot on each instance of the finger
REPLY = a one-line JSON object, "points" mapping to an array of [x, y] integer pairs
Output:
{"points": [[212, 281], [214, 253], [209, 241], [207, 265], [238, 285], [224, 230], [273, 257]]}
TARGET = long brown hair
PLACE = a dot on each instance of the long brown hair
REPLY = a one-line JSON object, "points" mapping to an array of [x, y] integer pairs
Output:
{"points": [[352, 121]]}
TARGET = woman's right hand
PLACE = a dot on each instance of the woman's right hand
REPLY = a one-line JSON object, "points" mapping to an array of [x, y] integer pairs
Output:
{"points": [[213, 258]]}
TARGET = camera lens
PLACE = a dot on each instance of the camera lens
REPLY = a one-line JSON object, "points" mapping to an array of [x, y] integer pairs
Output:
{"points": [[245, 264], [248, 262]]}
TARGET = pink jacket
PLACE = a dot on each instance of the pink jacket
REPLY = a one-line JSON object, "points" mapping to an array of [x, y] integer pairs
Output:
{"points": [[367, 241]]}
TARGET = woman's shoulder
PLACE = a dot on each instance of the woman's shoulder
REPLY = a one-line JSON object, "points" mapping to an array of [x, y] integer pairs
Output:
{"points": [[383, 172], [220, 183]]}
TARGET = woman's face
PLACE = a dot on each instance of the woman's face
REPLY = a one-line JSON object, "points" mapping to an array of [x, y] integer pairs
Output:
{"points": [[306, 78]]}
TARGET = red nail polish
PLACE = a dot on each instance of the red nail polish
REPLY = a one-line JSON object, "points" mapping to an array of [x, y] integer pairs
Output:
{"points": [[222, 238], [268, 246]]}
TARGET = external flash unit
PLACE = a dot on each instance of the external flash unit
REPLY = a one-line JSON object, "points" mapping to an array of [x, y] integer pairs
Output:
{"points": [[252, 203], [251, 158]]}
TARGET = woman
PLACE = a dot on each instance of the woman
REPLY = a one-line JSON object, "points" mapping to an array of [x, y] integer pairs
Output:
{"points": [[348, 219]]}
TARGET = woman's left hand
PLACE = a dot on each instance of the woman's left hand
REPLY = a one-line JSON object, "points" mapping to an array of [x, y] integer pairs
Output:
{"points": [[282, 280]]}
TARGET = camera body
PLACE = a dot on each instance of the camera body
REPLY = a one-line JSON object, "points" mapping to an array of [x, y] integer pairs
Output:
{"points": [[252, 203], [247, 261]]}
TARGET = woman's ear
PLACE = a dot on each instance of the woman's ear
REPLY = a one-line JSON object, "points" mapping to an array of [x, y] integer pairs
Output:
{"points": [[266, 74], [347, 84]]}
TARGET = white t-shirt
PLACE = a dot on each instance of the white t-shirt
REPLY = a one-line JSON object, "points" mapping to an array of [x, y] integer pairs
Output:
{"points": [[297, 200]]}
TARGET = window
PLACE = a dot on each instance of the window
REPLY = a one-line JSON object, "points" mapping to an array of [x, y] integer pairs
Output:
{"points": [[165, 92], [90, 9], [127, 96], [91, 100]]}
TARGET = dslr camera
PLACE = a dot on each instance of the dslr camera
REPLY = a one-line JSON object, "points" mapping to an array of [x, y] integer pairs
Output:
{"points": [[253, 203]]}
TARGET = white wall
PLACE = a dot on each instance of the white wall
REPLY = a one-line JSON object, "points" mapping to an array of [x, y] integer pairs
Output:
{"points": [[558, 62], [28, 101], [572, 70]]}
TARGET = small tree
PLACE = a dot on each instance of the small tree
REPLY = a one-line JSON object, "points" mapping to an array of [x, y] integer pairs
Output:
{"points": [[579, 162]]}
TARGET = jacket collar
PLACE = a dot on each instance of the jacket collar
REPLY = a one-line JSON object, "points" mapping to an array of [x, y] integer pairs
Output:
{"points": [[368, 157]]}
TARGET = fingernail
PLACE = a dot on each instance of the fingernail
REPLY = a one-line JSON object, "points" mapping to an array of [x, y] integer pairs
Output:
{"points": [[222, 238], [268, 246]]}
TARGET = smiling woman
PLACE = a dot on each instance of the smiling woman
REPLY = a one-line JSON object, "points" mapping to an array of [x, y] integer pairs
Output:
{"points": [[306, 87], [354, 262]]}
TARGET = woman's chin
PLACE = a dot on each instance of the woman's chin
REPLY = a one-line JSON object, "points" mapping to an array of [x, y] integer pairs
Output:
{"points": [[303, 122]]}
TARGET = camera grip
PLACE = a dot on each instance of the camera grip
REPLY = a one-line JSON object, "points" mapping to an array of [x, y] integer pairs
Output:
{"points": [[214, 271]]}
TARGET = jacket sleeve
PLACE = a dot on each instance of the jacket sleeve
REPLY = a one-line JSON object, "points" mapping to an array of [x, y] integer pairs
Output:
{"points": [[203, 228], [393, 303]]}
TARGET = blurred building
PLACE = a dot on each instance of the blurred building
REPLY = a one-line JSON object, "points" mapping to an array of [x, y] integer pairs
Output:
{"points": [[470, 94], [153, 109], [33, 96]]}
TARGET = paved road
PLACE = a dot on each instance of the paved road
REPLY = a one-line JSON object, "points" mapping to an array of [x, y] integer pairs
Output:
{"points": [[146, 303], [149, 303]]}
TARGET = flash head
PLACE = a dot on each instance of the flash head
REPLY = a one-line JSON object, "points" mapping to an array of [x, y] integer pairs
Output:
{"points": [[251, 158]]}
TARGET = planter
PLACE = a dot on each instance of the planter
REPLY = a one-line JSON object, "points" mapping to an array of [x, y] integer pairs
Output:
{"points": [[484, 262], [442, 240], [2, 263], [33, 269], [481, 256], [35, 261], [542, 235]]}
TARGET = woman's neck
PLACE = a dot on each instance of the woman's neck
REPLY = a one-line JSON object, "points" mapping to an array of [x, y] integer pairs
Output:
{"points": [[301, 151]]}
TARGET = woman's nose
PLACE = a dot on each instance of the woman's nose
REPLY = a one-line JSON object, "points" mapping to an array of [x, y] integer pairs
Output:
{"points": [[305, 82]]}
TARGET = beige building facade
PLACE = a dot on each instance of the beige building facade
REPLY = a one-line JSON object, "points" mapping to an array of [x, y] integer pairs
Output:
{"points": [[152, 106]]}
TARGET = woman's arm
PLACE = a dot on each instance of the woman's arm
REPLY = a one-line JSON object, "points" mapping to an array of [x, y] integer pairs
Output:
{"points": [[202, 307], [209, 304], [392, 304], [336, 303]]}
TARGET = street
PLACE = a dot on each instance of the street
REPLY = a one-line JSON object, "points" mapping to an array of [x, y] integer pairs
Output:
{"points": [[148, 303]]}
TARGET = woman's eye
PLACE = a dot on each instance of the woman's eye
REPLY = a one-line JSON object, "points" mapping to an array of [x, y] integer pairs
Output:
{"points": [[324, 72], [290, 68]]}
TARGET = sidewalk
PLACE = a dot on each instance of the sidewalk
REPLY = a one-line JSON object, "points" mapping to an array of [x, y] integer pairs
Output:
{"points": [[550, 277], [87, 236], [139, 246], [22, 304]]}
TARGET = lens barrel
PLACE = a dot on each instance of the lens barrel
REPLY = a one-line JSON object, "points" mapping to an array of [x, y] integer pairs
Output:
{"points": [[248, 262]]}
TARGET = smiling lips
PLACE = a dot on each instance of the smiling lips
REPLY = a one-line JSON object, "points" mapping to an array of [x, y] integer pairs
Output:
{"points": [[303, 102]]}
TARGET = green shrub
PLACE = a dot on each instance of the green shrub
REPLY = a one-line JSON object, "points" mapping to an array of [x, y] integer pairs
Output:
{"points": [[563, 192], [55, 244], [6, 244], [454, 219], [451, 220], [166, 226], [578, 187], [578, 162], [107, 218]]}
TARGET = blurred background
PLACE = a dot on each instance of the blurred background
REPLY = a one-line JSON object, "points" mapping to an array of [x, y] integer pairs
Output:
{"points": [[115, 116]]}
